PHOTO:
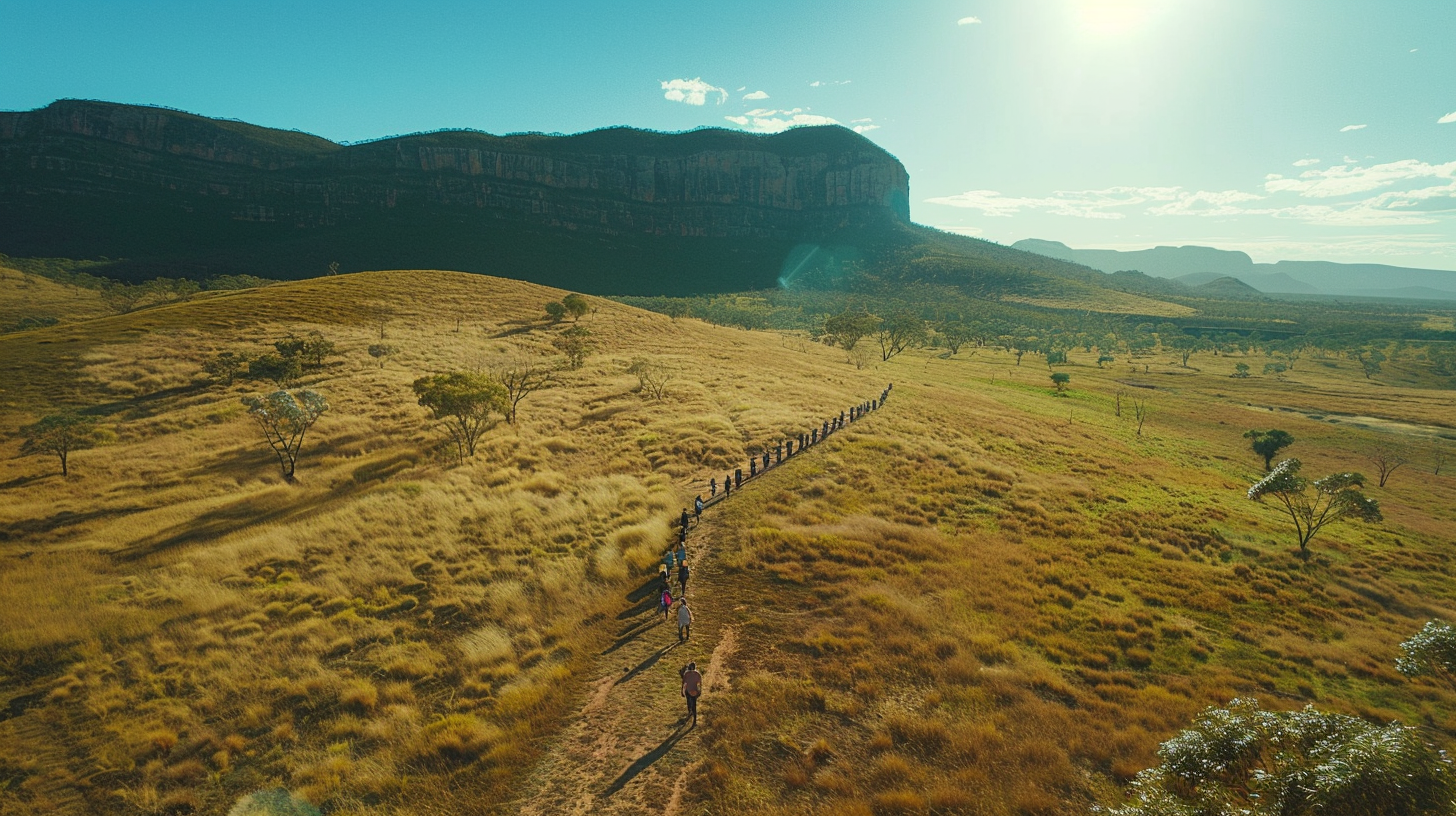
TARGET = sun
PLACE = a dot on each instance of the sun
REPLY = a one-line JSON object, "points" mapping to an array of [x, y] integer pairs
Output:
{"points": [[1113, 18]]}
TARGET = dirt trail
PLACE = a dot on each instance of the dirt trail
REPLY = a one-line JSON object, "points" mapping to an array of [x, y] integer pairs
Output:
{"points": [[630, 749]]}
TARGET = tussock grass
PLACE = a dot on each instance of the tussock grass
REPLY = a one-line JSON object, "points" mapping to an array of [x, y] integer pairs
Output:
{"points": [[390, 630], [986, 607]]}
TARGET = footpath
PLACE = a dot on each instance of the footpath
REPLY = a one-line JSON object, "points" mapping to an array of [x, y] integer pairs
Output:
{"points": [[631, 748]]}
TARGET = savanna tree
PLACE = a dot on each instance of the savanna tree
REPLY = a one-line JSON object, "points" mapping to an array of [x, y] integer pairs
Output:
{"points": [[382, 352], [521, 378], [280, 370], [225, 366], [464, 402], [575, 343], [556, 310], [59, 435], [284, 419], [1251, 762], [1336, 497], [1268, 444], [653, 376], [1241, 371], [576, 306], [1430, 652], [1388, 457], [1060, 380], [846, 328]]}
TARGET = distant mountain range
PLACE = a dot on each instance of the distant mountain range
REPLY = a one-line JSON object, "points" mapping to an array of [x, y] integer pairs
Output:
{"points": [[1198, 266]]}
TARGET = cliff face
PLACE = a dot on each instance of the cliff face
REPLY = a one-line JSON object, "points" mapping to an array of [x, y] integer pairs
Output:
{"points": [[169, 189]]}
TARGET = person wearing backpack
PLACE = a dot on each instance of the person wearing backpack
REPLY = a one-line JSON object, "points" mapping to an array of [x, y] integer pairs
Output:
{"points": [[684, 621], [664, 604], [682, 577], [692, 688], [698, 508]]}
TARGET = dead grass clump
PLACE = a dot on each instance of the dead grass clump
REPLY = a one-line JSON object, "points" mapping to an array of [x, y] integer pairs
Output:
{"points": [[485, 645], [455, 739]]}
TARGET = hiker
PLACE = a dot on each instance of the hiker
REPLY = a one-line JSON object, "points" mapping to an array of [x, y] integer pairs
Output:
{"points": [[682, 579], [682, 552], [682, 535], [752, 466], [727, 486], [713, 487], [765, 460], [692, 686], [698, 508], [684, 621], [665, 603], [685, 518], [667, 560]]}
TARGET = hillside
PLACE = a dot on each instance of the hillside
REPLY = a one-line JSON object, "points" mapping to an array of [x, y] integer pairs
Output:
{"points": [[1282, 277], [983, 598]]}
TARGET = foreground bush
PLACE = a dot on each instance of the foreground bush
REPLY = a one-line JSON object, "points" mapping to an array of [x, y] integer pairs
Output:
{"points": [[1244, 760]]}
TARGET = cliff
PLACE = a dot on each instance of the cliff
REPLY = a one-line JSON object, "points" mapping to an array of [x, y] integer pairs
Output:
{"points": [[609, 211]]}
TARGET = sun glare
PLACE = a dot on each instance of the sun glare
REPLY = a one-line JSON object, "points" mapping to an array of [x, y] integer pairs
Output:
{"points": [[1113, 18]]}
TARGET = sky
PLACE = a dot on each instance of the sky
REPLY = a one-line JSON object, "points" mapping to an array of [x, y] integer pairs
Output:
{"points": [[1289, 129]]}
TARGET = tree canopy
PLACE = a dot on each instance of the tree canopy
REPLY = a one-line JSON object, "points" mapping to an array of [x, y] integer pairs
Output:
{"points": [[463, 401], [59, 435], [1335, 498], [284, 419], [1268, 444], [1251, 762]]}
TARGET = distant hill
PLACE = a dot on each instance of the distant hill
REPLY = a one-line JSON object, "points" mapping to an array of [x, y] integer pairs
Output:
{"points": [[1291, 277], [613, 211]]}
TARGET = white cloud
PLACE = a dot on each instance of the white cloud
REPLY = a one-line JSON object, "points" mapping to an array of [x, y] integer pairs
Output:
{"points": [[1447, 119], [756, 95], [1348, 128], [865, 128], [1403, 193], [1343, 179], [959, 230], [820, 83], [775, 121], [968, 21], [1074, 203], [691, 91], [1306, 162], [742, 89], [859, 121], [816, 83]]}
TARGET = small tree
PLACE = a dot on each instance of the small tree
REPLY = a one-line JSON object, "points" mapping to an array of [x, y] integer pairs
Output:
{"points": [[1268, 444], [333, 267], [382, 352], [576, 306], [1440, 454], [846, 328], [653, 376], [316, 349], [861, 356], [575, 343], [1388, 457], [1241, 371], [521, 378], [1105, 358], [556, 310], [1277, 369], [900, 331], [464, 402], [1244, 760], [59, 435], [225, 366], [1141, 410], [1336, 498], [1370, 361], [281, 371], [1430, 652], [285, 418], [1060, 380]]}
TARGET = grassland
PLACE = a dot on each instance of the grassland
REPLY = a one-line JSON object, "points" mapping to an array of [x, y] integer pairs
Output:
{"points": [[984, 599]]}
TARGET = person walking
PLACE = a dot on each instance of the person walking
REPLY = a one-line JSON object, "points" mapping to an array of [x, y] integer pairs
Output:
{"points": [[682, 577], [692, 687], [667, 560], [685, 518], [684, 621], [682, 552], [713, 486], [698, 508], [665, 604]]}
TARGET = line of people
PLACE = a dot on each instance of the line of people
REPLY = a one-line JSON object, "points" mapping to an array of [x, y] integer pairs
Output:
{"points": [[676, 558]]}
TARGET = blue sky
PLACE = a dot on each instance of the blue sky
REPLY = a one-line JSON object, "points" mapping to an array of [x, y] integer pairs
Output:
{"points": [[1301, 129]]}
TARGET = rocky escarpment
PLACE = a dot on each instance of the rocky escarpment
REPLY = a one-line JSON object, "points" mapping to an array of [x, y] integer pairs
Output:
{"points": [[616, 210]]}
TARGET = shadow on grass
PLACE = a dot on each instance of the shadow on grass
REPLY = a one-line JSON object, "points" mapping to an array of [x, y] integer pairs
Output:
{"points": [[648, 662], [645, 761], [644, 598], [31, 528]]}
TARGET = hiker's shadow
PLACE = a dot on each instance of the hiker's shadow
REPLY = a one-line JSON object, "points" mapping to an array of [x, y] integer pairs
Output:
{"points": [[649, 661], [645, 761]]}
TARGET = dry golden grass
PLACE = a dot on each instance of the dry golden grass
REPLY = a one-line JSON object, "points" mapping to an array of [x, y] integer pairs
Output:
{"points": [[999, 601], [182, 627], [23, 295]]}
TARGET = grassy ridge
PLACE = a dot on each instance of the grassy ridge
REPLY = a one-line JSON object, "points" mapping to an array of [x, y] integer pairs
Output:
{"points": [[182, 627]]}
